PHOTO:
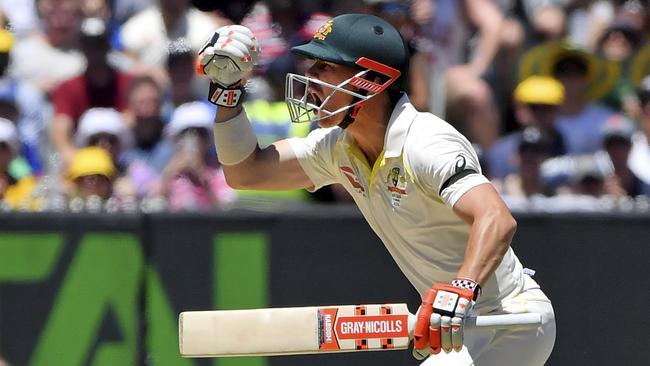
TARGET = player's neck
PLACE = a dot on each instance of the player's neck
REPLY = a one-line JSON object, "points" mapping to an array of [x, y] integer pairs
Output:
{"points": [[369, 128]]}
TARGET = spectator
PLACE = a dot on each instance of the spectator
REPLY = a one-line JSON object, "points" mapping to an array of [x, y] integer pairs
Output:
{"points": [[193, 178], [147, 123], [146, 160], [617, 142], [99, 86], [92, 173], [635, 13], [619, 43], [147, 35], [14, 191], [580, 122], [639, 160], [537, 101], [21, 102], [105, 128], [185, 85], [46, 59], [533, 148], [585, 78], [453, 86], [584, 174], [588, 180]]}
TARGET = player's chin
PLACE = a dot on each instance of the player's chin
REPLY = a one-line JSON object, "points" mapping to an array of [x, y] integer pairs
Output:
{"points": [[331, 121]]}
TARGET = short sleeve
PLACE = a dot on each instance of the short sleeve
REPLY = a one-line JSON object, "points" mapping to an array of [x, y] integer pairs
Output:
{"points": [[67, 100], [315, 153], [447, 166]]}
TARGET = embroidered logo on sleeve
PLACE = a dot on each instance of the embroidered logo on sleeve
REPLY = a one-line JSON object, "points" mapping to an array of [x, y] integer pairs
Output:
{"points": [[460, 163]]}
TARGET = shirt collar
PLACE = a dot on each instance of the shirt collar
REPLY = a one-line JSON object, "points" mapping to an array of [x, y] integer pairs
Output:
{"points": [[398, 126], [400, 121]]}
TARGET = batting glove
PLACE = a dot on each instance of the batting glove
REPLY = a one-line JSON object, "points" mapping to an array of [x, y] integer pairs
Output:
{"points": [[226, 58], [441, 317]]}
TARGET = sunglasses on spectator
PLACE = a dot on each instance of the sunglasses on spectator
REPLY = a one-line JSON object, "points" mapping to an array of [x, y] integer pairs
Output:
{"points": [[93, 180], [103, 137]]}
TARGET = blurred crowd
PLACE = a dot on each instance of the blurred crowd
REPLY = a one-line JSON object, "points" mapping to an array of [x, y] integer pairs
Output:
{"points": [[101, 109]]}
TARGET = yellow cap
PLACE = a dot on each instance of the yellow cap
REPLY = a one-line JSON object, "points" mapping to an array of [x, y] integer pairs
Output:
{"points": [[91, 161], [540, 90], [6, 41]]}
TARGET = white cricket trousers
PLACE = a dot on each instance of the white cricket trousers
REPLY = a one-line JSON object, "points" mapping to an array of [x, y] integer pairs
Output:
{"points": [[508, 347]]}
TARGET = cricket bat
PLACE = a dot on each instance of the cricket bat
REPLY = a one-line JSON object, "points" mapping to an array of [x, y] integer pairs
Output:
{"points": [[313, 329]]}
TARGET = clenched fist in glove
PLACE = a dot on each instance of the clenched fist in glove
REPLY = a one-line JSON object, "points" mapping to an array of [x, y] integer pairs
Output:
{"points": [[441, 317], [230, 53]]}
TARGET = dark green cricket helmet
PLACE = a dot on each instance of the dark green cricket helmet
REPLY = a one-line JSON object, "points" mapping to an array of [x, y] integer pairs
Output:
{"points": [[347, 38]]}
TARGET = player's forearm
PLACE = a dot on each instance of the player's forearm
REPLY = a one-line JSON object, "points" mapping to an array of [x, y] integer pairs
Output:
{"points": [[245, 165], [225, 114], [238, 162], [241, 176], [489, 240]]}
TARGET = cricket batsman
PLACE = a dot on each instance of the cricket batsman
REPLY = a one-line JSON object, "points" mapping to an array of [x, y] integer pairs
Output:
{"points": [[416, 180]]}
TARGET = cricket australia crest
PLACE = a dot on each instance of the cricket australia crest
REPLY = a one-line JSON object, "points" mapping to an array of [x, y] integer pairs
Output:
{"points": [[396, 185], [324, 30]]}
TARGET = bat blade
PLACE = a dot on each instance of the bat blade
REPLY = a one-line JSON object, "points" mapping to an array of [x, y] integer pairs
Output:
{"points": [[305, 330], [298, 330]]}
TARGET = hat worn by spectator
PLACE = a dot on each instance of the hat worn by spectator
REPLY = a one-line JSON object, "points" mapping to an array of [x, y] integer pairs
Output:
{"points": [[534, 140], [9, 135], [591, 169], [6, 41], [102, 120], [548, 57], [91, 160], [618, 127], [540, 90], [190, 115]]}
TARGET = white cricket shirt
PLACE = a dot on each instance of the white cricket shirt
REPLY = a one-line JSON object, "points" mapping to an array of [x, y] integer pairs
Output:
{"points": [[407, 196]]}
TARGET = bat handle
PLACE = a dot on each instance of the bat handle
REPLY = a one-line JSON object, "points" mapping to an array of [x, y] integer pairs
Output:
{"points": [[529, 320], [526, 320]]}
